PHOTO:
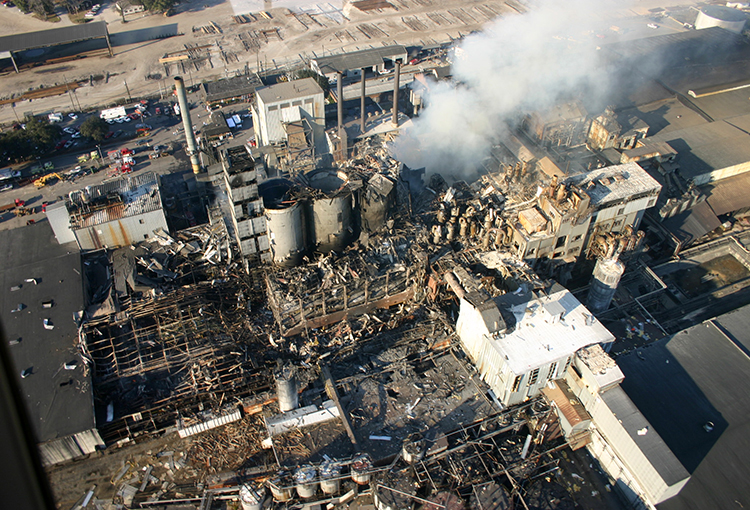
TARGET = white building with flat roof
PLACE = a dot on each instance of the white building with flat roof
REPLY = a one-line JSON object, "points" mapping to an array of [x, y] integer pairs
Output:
{"points": [[521, 340], [278, 105]]}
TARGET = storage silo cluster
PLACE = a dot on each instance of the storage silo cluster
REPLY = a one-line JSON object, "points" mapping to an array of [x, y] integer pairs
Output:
{"points": [[322, 211]]}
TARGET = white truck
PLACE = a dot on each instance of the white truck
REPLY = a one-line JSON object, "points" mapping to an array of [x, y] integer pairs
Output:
{"points": [[113, 113]]}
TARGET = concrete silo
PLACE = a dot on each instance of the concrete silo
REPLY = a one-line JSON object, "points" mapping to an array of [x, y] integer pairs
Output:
{"points": [[286, 222], [604, 281], [332, 220]]}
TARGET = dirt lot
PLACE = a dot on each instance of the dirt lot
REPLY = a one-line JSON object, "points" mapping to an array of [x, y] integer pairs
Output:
{"points": [[285, 39], [236, 36]]}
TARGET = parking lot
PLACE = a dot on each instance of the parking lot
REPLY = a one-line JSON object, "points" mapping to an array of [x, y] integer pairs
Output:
{"points": [[166, 132]]}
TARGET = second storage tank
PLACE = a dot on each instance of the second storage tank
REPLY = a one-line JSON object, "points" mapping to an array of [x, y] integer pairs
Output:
{"points": [[332, 223]]}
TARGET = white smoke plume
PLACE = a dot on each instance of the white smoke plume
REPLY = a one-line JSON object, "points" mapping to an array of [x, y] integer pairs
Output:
{"points": [[518, 64]]}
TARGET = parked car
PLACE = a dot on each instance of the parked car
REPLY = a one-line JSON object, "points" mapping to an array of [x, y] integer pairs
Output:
{"points": [[76, 135], [108, 135], [73, 116], [68, 144], [117, 133], [69, 130]]}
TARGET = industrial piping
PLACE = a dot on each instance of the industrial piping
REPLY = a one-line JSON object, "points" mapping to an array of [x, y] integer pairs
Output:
{"points": [[192, 149], [394, 120]]}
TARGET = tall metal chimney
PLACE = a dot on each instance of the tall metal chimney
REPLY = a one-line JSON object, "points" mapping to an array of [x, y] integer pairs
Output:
{"points": [[363, 114], [185, 114], [394, 120], [340, 99]]}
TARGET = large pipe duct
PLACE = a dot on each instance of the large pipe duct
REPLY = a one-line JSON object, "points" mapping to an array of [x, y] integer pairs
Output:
{"points": [[363, 114], [395, 93], [185, 114]]}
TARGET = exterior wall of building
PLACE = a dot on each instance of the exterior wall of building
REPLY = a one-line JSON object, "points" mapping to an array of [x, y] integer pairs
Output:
{"points": [[721, 173], [616, 450], [70, 447], [57, 215], [121, 232], [509, 387], [271, 116]]}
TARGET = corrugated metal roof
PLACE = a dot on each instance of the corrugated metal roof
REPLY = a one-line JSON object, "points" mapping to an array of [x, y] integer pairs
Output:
{"points": [[139, 194], [359, 59], [289, 90], [231, 87], [728, 195], [569, 406], [693, 223], [63, 35]]}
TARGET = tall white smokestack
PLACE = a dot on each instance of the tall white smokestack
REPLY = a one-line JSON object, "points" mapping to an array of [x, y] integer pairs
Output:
{"points": [[185, 113]]}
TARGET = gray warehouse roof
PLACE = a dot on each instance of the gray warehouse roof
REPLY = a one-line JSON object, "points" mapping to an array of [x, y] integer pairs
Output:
{"points": [[707, 147], [359, 59], [59, 401], [53, 36], [683, 382], [287, 91], [230, 88]]}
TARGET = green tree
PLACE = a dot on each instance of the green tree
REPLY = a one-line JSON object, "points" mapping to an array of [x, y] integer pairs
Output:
{"points": [[23, 5], [94, 128], [158, 5], [35, 139]]}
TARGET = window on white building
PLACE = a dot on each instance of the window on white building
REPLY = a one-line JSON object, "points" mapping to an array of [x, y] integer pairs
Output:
{"points": [[552, 371], [517, 383], [533, 377]]}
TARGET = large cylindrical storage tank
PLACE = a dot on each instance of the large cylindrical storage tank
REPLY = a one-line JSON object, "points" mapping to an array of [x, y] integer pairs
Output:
{"points": [[607, 274], [720, 16], [281, 488], [306, 483], [286, 388], [286, 222], [252, 496], [332, 220], [330, 472]]}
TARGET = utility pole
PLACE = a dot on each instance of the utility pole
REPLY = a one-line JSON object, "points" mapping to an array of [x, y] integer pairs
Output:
{"points": [[130, 99]]}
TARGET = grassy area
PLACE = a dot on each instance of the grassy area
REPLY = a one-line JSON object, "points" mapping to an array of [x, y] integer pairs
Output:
{"points": [[78, 18]]}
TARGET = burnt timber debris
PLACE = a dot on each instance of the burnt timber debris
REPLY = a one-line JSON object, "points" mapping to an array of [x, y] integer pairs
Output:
{"points": [[340, 380]]}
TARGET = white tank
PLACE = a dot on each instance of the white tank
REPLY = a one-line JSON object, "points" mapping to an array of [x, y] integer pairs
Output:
{"points": [[330, 471], [307, 485], [332, 222], [720, 16], [252, 496], [413, 448], [286, 388], [361, 468], [604, 281], [286, 222]]}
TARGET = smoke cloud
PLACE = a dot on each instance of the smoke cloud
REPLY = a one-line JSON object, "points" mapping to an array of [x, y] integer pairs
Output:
{"points": [[518, 64]]}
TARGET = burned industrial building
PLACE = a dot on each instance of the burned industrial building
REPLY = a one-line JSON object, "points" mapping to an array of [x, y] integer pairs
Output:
{"points": [[350, 332]]}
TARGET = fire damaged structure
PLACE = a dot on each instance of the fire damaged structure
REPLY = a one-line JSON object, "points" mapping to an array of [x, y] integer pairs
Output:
{"points": [[111, 215]]}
